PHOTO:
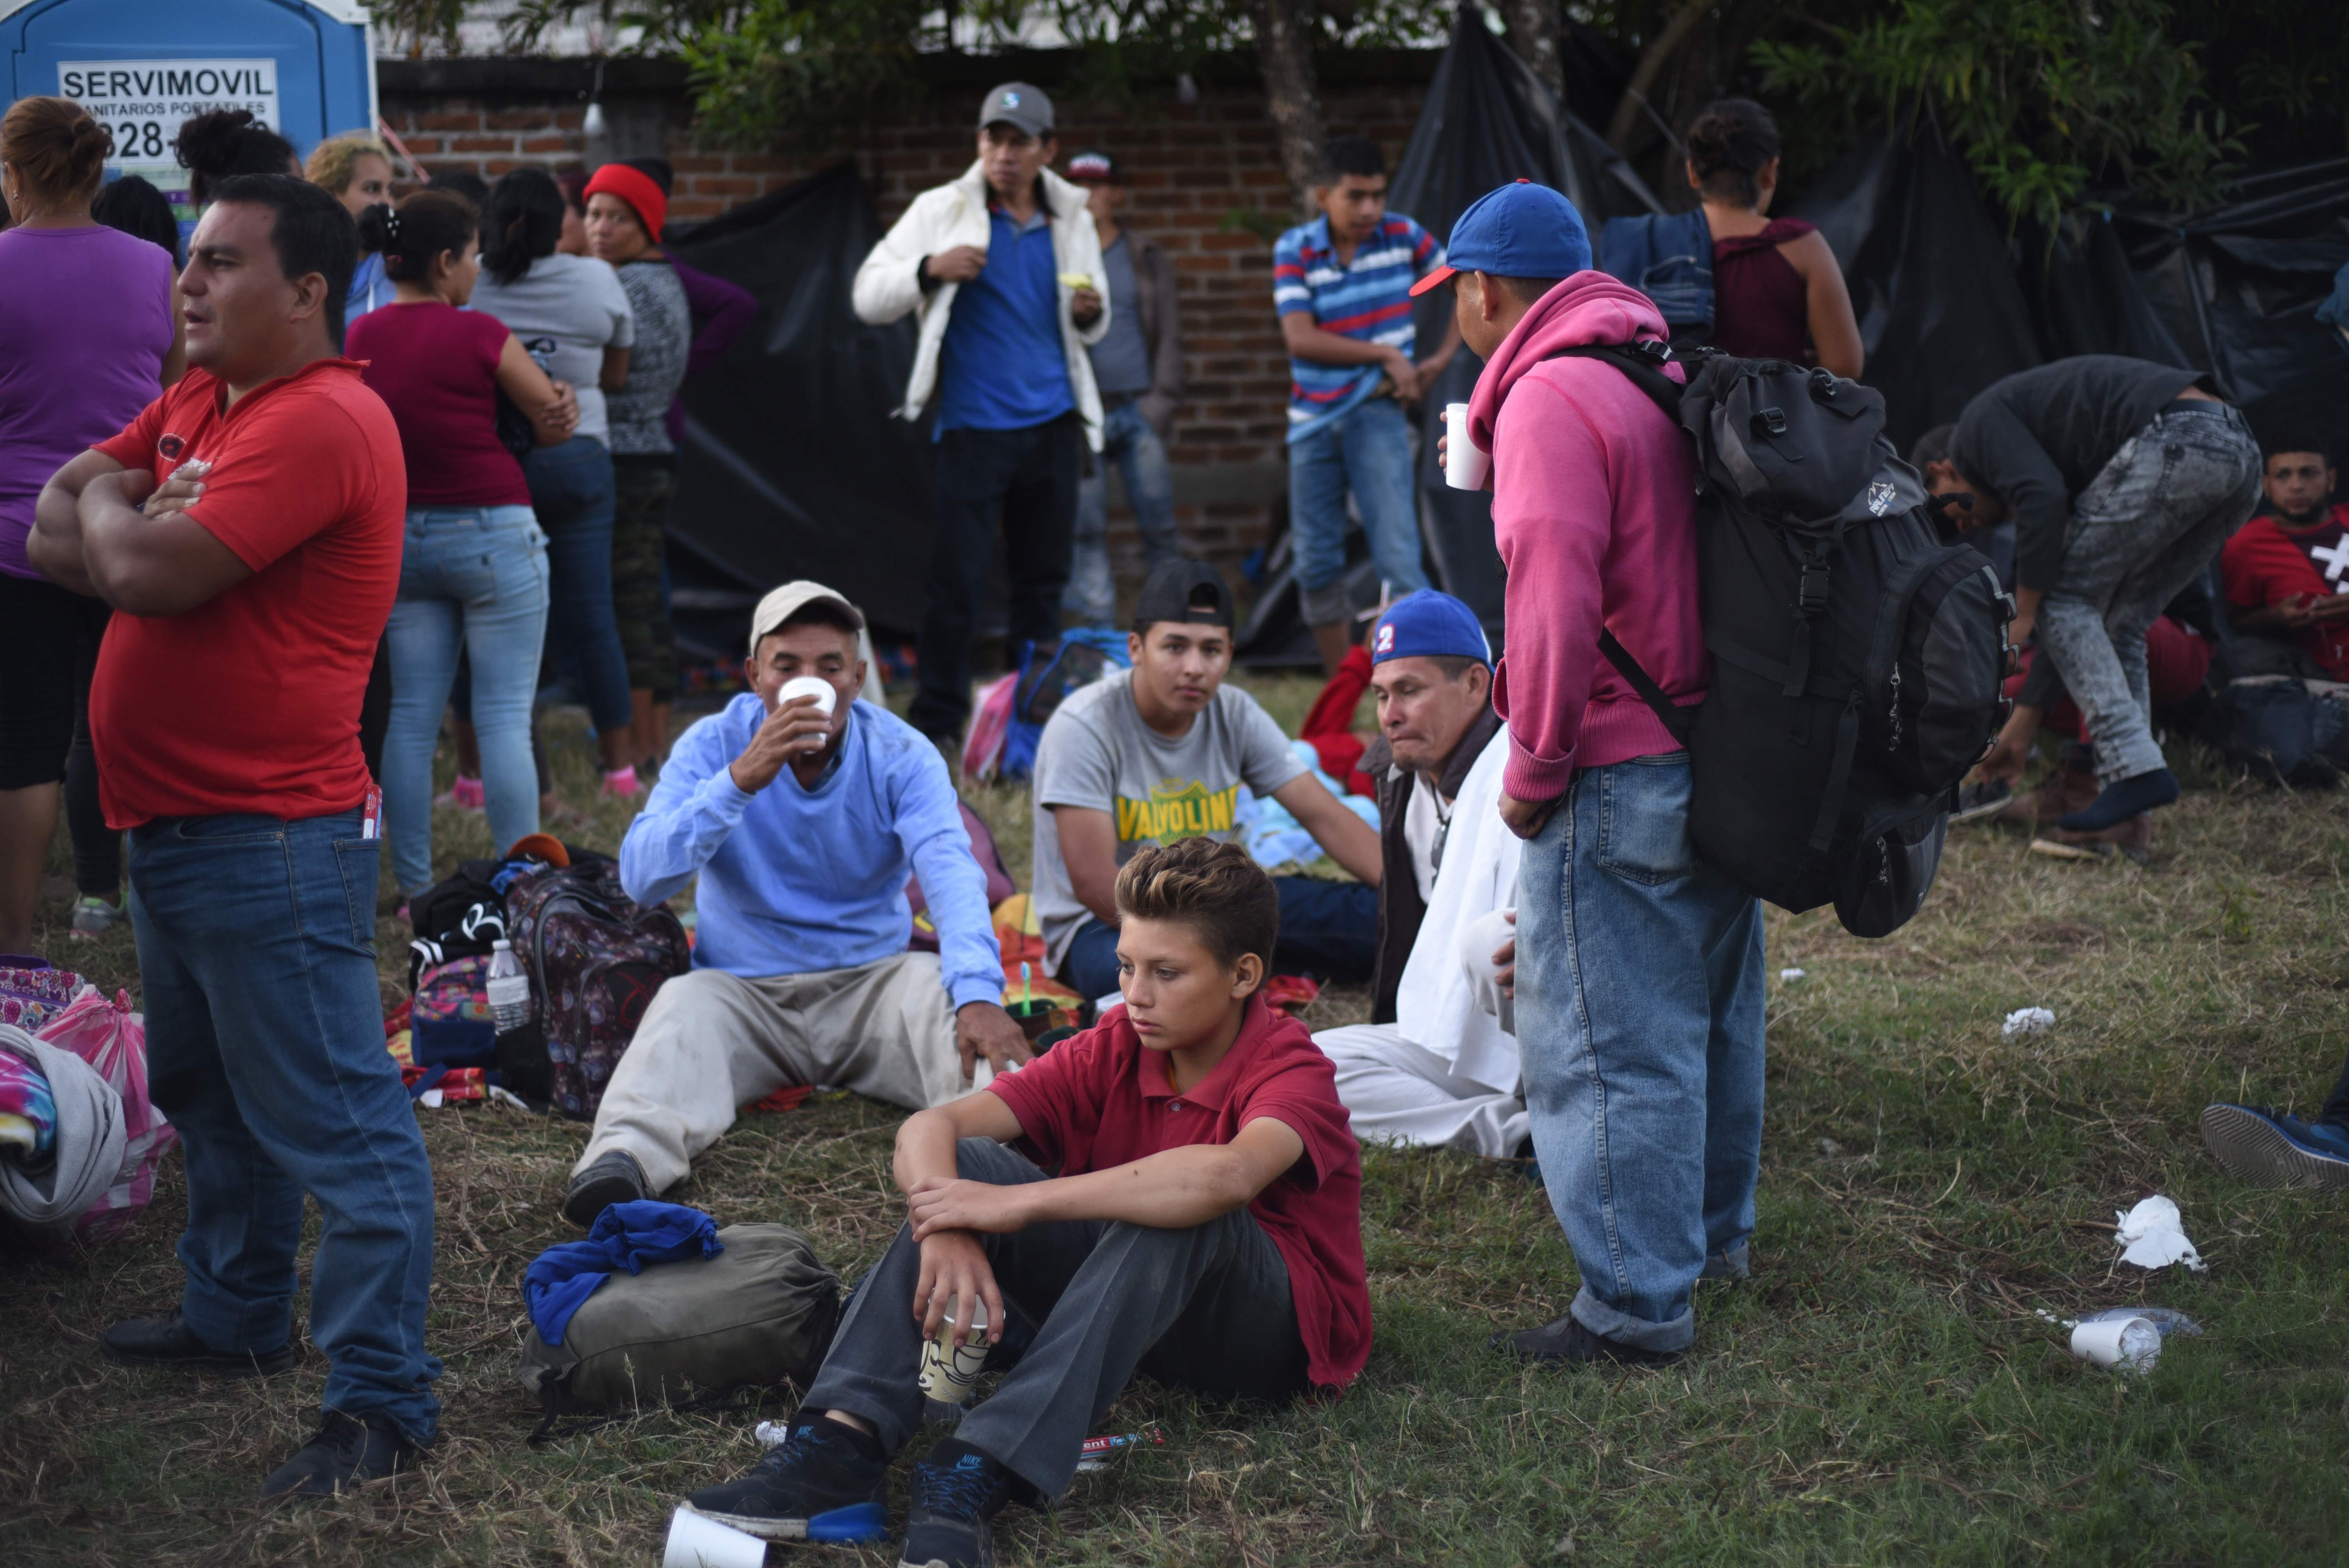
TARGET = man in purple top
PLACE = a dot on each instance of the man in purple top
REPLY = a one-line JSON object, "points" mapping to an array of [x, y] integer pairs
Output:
{"points": [[105, 340]]}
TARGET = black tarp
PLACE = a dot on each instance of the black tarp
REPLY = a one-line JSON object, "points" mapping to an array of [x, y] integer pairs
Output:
{"points": [[1949, 299], [793, 465], [1487, 119]]}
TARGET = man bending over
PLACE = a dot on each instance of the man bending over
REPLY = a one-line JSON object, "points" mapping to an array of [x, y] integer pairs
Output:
{"points": [[1159, 752], [1185, 1200], [1437, 1064], [802, 819]]}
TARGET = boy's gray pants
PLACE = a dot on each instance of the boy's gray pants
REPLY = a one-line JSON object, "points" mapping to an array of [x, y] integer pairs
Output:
{"points": [[1208, 1307], [2151, 522]]}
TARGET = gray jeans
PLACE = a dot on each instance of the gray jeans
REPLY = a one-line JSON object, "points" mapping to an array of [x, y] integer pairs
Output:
{"points": [[1208, 1308], [2143, 528]]}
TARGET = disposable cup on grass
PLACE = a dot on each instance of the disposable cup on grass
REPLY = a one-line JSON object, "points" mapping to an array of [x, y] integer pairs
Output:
{"points": [[2130, 1344], [695, 1541]]}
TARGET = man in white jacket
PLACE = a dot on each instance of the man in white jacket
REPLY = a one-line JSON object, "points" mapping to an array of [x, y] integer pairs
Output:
{"points": [[1440, 1069], [1005, 269]]}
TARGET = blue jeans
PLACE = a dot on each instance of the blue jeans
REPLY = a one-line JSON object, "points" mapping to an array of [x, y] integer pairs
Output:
{"points": [[1127, 441], [265, 1047], [1328, 929], [1640, 1020], [571, 491], [1368, 450], [471, 579]]}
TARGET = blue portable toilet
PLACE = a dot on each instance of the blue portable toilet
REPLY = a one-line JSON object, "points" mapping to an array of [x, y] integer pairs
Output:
{"points": [[305, 67]]}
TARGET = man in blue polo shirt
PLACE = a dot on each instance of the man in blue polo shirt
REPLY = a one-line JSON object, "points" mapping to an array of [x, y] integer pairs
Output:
{"points": [[1342, 287], [1004, 267]]}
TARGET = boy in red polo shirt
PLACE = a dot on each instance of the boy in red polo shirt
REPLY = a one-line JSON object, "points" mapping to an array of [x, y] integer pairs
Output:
{"points": [[1186, 1201]]}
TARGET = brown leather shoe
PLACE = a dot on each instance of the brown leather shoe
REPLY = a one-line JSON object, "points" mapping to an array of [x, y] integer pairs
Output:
{"points": [[2133, 838]]}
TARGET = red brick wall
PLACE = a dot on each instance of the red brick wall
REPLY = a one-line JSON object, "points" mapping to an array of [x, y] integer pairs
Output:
{"points": [[1193, 167]]}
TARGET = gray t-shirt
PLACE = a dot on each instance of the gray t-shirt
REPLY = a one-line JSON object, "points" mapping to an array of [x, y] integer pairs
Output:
{"points": [[1121, 359], [639, 410], [566, 310], [1096, 752]]}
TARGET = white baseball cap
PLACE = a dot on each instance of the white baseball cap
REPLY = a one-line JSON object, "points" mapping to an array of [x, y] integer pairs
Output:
{"points": [[781, 604]]}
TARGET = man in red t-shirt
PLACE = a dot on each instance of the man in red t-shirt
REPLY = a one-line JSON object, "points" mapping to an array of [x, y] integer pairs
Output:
{"points": [[250, 587], [1202, 1220], [2287, 573]]}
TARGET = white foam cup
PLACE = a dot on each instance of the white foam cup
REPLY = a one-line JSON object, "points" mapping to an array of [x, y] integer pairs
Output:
{"points": [[1465, 464], [2131, 1344], [950, 1371], [697, 1543], [827, 695]]}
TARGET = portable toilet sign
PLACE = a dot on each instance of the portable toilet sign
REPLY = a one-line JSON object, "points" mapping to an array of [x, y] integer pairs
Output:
{"points": [[305, 69]]}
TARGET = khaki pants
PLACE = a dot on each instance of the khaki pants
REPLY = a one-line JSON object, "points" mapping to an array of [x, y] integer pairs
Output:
{"points": [[713, 1041]]}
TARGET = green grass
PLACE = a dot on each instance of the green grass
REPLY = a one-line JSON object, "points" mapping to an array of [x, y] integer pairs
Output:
{"points": [[1881, 1391]]}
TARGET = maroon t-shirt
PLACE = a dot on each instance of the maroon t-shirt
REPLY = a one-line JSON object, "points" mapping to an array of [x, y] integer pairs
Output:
{"points": [[1761, 307], [1099, 1101], [436, 367]]}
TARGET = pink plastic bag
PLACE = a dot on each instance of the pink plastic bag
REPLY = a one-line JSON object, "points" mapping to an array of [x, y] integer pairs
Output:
{"points": [[112, 1038], [983, 747]]}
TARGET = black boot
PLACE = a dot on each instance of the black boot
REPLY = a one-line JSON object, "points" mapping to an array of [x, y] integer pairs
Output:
{"points": [[168, 1341], [615, 1178], [345, 1451]]}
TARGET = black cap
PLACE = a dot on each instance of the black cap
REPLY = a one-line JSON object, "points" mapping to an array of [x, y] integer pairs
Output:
{"points": [[1189, 591], [1095, 164]]}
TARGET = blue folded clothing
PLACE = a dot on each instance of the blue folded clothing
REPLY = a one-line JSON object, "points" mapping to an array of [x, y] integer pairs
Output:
{"points": [[628, 1236]]}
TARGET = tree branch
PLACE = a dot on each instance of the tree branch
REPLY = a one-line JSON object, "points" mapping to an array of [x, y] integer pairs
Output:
{"points": [[1292, 89], [1653, 58]]}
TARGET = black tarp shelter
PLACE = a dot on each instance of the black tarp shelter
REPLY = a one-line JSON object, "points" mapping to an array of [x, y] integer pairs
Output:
{"points": [[793, 465], [1950, 299]]}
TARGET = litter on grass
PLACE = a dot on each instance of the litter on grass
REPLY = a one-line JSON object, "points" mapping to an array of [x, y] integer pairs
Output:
{"points": [[2128, 1344], [1788, 976], [2153, 1235], [2168, 1319], [2026, 1021]]}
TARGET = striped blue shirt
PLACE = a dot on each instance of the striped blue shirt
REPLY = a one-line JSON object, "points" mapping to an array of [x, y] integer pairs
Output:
{"points": [[1369, 300]]}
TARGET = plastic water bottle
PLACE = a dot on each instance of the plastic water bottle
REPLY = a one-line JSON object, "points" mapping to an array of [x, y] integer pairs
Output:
{"points": [[509, 989]]}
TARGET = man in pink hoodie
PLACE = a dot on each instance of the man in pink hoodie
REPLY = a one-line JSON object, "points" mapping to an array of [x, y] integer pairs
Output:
{"points": [[1639, 967]]}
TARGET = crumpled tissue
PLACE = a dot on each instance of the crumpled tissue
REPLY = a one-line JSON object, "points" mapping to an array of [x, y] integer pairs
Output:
{"points": [[2026, 1021], [2153, 1235]]}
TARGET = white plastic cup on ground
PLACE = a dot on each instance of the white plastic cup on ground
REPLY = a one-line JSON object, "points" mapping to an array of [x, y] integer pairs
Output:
{"points": [[2131, 1344], [697, 1543], [1465, 464], [950, 1371], [827, 696]]}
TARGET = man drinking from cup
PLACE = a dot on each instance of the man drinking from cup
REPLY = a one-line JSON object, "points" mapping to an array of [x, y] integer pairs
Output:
{"points": [[802, 819]]}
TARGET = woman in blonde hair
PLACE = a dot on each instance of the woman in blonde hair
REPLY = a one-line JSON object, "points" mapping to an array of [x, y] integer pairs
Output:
{"points": [[357, 167], [102, 343]]}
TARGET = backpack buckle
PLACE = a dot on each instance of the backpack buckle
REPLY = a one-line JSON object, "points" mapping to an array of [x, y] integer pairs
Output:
{"points": [[1654, 348], [1767, 422], [1811, 593]]}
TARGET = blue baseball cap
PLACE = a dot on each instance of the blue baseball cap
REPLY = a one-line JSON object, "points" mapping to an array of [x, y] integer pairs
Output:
{"points": [[1520, 231], [1429, 624]]}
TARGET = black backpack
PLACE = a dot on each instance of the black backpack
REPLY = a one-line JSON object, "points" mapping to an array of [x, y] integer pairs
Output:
{"points": [[1857, 659]]}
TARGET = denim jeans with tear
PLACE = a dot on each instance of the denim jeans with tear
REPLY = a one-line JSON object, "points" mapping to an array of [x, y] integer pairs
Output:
{"points": [[265, 1047], [1640, 1020], [1367, 451], [471, 579], [1128, 441]]}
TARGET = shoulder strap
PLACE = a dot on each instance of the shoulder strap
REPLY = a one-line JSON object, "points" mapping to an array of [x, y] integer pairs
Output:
{"points": [[1643, 361], [1680, 721]]}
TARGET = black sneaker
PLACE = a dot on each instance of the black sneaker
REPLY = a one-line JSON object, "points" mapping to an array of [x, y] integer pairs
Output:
{"points": [[1568, 1340], [168, 1341], [819, 1483], [344, 1452], [957, 1491], [615, 1178]]}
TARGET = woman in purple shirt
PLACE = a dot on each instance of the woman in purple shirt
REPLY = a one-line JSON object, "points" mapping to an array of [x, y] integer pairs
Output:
{"points": [[95, 338]]}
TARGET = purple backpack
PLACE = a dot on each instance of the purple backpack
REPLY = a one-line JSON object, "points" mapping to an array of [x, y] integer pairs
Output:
{"points": [[595, 957]]}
